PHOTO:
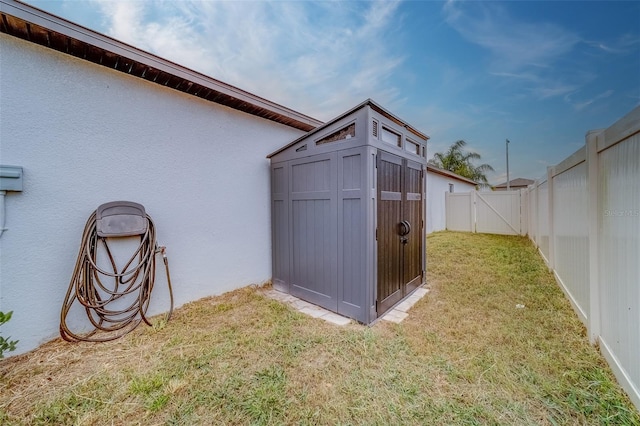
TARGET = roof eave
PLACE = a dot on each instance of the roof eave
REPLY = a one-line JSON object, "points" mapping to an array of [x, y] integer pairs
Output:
{"points": [[57, 33], [450, 174]]}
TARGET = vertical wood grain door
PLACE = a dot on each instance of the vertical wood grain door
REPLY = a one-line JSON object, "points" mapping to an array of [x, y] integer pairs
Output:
{"points": [[412, 206], [399, 229]]}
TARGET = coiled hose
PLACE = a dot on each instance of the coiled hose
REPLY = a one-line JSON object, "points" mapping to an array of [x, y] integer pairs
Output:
{"points": [[88, 288]]}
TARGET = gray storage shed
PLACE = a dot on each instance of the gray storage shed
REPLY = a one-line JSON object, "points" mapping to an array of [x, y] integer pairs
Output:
{"points": [[348, 213]]}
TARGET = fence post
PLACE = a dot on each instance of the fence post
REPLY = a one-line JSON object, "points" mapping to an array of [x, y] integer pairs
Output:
{"points": [[472, 203], [593, 322], [550, 173], [523, 199], [446, 211], [538, 215], [533, 218]]}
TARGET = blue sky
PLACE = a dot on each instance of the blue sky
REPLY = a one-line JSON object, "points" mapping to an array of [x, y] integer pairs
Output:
{"points": [[540, 73]]}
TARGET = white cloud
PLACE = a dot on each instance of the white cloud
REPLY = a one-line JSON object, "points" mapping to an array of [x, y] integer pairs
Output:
{"points": [[318, 58], [580, 105], [623, 45], [552, 90], [515, 45], [520, 50]]}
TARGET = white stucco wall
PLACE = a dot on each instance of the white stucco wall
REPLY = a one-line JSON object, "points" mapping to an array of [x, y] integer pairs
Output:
{"points": [[437, 186], [86, 135]]}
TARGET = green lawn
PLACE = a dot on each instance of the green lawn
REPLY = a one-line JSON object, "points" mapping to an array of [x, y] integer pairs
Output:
{"points": [[466, 355]]}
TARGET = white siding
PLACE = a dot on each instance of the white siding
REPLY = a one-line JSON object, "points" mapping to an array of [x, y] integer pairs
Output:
{"points": [[437, 187], [86, 135]]}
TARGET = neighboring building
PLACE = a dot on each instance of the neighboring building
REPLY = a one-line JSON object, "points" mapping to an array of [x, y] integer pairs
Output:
{"points": [[519, 183], [439, 182]]}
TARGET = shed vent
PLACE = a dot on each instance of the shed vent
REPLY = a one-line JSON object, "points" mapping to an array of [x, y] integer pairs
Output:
{"points": [[374, 130], [345, 133]]}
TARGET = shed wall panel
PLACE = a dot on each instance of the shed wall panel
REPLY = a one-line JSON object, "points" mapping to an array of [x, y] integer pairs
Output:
{"points": [[314, 230], [280, 184], [280, 223], [312, 249], [352, 249]]}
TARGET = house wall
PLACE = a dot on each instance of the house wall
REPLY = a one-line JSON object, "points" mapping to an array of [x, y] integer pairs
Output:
{"points": [[437, 187], [86, 135]]}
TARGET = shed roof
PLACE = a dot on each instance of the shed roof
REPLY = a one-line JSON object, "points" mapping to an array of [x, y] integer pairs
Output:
{"points": [[37, 26], [450, 174], [369, 102]]}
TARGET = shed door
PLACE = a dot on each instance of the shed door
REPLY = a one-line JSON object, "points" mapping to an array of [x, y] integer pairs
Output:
{"points": [[399, 229], [412, 213]]}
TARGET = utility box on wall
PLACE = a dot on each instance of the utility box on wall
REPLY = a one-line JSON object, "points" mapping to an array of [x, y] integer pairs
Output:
{"points": [[348, 213]]}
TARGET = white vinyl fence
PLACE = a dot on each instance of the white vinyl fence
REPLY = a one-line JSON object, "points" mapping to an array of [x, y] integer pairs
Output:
{"points": [[584, 217], [487, 212]]}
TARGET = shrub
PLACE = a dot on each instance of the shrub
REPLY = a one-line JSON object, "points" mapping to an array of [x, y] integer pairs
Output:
{"points": [[6, 345]]}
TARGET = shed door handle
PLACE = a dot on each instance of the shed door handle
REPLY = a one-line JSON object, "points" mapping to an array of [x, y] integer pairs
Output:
{"points": [[405, 227]]}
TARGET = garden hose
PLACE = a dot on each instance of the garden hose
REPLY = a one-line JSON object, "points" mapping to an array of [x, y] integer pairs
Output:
{"points": [[133, 283]]}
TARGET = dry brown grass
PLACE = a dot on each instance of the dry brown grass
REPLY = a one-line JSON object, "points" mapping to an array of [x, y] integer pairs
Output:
{"points": [[465, 355]]}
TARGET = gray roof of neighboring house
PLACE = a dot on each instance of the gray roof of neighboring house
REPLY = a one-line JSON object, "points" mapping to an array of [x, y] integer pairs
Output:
{"points": [[438, 170], [518, 182], [37, 26]]}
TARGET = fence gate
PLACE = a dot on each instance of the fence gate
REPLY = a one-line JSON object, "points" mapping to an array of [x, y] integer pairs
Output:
{"points": [[399, 231], [497, 212]]}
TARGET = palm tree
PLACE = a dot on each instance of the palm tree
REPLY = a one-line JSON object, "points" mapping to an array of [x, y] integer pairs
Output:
{"points": [[459, 162]]}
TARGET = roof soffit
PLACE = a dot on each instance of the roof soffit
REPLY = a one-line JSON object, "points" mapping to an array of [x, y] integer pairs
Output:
{"points": [[37, 26]]}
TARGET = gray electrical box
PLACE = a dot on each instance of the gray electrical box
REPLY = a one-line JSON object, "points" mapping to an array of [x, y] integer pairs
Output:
{"points": [[10, 178]]}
